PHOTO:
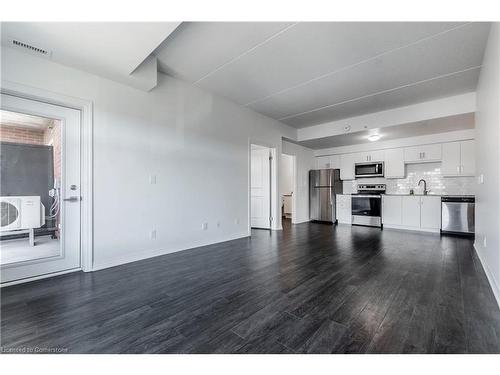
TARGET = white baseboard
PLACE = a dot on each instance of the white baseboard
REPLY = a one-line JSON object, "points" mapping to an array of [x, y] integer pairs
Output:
{"points": [[491, 278], [301, 221], [129, 258]]}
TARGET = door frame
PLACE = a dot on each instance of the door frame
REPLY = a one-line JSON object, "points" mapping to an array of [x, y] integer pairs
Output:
{"points": [[87, 172], [276, 216], [294, 186]]}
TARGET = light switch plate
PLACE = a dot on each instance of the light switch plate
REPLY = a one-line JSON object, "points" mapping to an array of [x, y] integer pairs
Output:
{"points": [[480, 179], [152, 179]]}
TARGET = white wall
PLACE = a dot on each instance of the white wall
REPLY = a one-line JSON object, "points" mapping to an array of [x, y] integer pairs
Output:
{"points": [[286, 174], [305, 162], [196, 144], [488, 161]]}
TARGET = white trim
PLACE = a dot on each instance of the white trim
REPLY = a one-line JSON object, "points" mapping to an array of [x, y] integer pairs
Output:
{"points": [[489, 275], [117, 261], [301, 222], [87, 171], [275, 212], [39, 277]]}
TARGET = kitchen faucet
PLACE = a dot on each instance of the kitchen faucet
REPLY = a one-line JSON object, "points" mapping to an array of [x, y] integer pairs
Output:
{"points": [[425, 186]]}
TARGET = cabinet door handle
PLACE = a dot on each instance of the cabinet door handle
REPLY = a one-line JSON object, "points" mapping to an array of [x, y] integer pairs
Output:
{"points": [[423, 153]]}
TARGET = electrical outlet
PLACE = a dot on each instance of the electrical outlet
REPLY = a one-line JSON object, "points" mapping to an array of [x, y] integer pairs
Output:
{"points": [[237, 221], [152, 179], [152, 234], [204, 226], [484, 241]]}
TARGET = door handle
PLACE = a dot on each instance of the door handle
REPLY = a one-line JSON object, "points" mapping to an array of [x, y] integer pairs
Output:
{"points": [[72, 199]]}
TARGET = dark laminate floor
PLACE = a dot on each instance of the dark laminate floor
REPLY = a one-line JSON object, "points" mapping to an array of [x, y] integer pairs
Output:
{"points": [[310, 289]]}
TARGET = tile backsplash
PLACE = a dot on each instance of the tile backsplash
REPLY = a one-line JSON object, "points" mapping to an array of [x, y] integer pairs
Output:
{"points": [[430, 172]]}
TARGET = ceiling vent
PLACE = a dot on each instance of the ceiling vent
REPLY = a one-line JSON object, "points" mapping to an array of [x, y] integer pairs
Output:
{"points": [[30, 48]]}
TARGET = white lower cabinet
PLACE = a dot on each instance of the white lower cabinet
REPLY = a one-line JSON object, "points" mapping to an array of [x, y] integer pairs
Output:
{"points": [[430, 213], [391, 210], [344, 209], [412, 212]]}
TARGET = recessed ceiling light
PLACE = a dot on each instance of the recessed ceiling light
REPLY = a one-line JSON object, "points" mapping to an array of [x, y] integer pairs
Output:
{"points": [[374, 137]]}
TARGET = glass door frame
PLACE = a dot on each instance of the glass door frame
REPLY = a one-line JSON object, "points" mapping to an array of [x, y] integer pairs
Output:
{"points": [[86, 165]]}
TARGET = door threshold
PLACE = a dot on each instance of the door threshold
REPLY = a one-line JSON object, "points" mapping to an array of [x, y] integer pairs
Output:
{"points": [[39, 277]]}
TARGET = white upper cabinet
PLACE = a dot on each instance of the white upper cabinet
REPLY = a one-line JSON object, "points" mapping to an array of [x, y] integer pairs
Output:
{"points": [[394, 163], [450, 165], [425, 153], [328, 162], [366, 157], [347, 166], [335, 161], [323, 162], [458, 159], [468, 158]]}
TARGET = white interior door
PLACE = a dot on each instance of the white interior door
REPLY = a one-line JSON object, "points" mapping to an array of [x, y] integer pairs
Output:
{"points": [[59, 251], [260, 188]]}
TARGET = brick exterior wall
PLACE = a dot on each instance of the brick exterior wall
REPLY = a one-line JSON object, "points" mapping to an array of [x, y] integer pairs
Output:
{"points": [[52, 137], [49, 137], [21, 135]]}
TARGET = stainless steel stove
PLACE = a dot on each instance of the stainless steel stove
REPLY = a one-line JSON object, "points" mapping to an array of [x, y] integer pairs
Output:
{"points": [[366, 206]]}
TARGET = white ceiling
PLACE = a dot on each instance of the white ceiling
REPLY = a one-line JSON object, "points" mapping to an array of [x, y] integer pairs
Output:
{"points": [[20, 120], [110, 49], [413, 129], [308, 73]]}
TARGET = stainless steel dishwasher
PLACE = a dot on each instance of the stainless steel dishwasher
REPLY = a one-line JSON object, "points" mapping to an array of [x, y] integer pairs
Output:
{"points": [[457, 214]]}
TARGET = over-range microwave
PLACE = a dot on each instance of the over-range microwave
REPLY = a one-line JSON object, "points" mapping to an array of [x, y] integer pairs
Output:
{"points": [[372, 169]]}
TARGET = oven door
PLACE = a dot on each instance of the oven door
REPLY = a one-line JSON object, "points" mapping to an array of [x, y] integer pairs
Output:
{"points": [[369, 170], [366, 210]]}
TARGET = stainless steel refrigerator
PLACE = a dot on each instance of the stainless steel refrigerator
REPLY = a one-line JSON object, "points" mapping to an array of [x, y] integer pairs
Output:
{"points": [[324, 184]]}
